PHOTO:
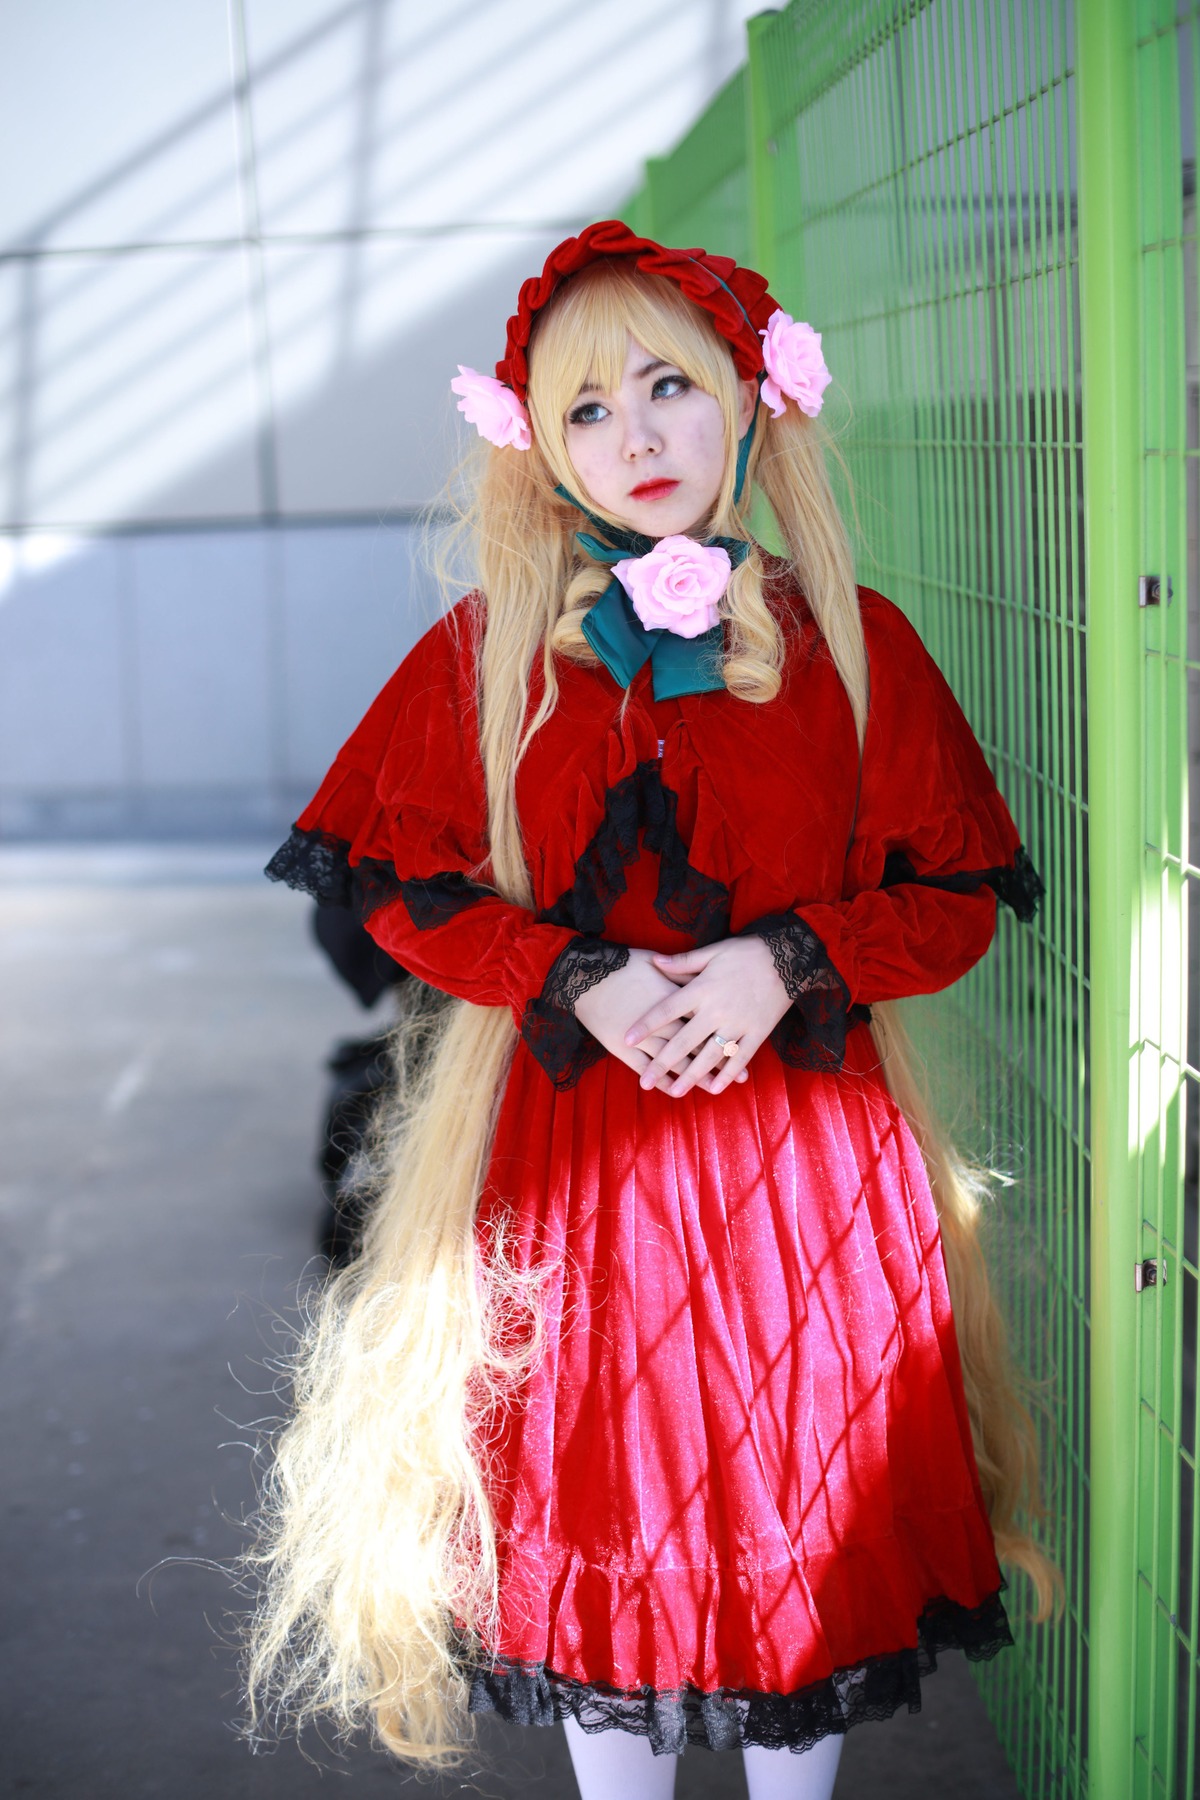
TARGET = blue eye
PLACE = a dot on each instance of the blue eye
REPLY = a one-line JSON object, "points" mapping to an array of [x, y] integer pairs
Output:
{"points": [[588, 414], [676, 384]]}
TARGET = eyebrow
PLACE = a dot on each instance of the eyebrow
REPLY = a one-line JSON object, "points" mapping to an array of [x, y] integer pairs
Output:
{"points": [[593, 387]]}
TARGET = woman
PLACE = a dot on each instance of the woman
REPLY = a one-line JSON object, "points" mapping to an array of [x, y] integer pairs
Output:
{"points": [[644, 1408]]}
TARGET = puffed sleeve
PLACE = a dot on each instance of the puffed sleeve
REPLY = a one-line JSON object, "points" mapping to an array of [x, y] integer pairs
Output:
{"points": [[398, 832], [934, 848]]}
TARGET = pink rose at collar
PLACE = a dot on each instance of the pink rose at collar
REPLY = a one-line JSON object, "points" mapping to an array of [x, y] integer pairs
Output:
{"points": [[676, 585], [492, 408], [795, 367]]}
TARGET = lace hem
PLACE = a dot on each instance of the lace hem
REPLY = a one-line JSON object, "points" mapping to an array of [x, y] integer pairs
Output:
{"points": [[563, 1046], [877, 1687], [1019, 887], [687, 900], [812, 1033], [319, 864]]}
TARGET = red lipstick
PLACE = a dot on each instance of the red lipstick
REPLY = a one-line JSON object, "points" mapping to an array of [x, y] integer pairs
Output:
{"points": [[653, 490]]}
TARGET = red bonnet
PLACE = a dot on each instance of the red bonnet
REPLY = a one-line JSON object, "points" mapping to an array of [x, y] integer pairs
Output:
{"points": [[737, 298]]}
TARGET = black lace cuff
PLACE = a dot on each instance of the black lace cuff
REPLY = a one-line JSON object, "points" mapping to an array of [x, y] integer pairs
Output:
{"points": [[563, 1046], [812, 1033], [877, 1687]]}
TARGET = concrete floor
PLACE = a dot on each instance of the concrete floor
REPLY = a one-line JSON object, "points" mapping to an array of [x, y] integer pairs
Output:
{"points": [[164, 1019]]}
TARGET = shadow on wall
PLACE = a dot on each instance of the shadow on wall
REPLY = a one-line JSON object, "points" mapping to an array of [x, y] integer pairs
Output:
{"points": [[195, 682], [225, 362], [355, 180]]}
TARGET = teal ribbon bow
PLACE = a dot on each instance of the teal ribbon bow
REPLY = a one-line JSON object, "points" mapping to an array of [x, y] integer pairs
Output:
{"points": [[678, 665]]}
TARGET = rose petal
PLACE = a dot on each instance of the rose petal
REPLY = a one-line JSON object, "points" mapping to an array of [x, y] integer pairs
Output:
{"points": [[494, 410], [676, 586]]}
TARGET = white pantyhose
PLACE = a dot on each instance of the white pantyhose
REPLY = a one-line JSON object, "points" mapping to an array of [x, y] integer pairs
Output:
{"points": [[780, 1775], [618, 1765]]}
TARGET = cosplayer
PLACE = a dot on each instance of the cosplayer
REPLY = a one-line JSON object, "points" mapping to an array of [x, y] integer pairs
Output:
{"points": [[644, 1407]]}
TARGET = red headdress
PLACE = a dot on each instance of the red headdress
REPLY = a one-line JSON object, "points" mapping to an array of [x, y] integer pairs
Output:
{"points": [[737, 298], [759, 333]]}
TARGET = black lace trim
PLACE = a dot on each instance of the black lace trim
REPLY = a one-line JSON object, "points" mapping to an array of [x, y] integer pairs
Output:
{"points": [[812, 1033], [1020, 887], [687, 900], [436, 899], [319, 864], [563, 1046], [877, 1687]]}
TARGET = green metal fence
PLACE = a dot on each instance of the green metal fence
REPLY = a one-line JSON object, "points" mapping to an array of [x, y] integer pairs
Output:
{"points": [[988, 207]]}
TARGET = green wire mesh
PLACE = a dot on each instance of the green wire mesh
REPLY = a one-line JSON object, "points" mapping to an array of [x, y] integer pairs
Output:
{"points": [[929, 231], [908, 183]]}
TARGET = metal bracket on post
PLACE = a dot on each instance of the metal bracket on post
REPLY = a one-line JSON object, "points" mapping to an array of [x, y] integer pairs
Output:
{"points": [[1150, 590], [1150, 1273]]}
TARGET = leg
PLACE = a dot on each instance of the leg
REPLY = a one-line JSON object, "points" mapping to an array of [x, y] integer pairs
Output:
{"points": [[785, 1775], [617, 1765]]}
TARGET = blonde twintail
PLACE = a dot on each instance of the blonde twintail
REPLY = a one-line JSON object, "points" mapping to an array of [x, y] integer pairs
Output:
{"points": [[374, 1532], [375, 1556], [1002, 1428]]}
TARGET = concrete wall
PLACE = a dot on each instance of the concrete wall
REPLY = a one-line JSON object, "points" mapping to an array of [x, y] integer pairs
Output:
{"points": [[247, 245], [195, 683]]}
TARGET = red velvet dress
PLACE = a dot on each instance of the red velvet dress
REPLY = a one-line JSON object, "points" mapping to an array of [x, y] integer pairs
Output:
{"points": [[738, 1502]]}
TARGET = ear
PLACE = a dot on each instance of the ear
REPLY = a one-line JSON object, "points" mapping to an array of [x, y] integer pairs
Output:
{"points": [[748, 396]]}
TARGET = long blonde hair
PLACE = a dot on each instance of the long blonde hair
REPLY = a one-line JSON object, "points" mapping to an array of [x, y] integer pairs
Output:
{"points": [[376, 1555]]}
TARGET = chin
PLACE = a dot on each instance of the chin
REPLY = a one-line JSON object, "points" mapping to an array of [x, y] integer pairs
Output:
{"points": [[653, 523]]}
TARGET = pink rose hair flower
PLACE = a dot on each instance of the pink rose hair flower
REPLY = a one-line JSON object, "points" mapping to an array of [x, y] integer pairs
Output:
{"points": [[677, 585], [492, 408], [795, 367]]}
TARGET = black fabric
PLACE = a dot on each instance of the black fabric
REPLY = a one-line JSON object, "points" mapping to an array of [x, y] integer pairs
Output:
{"points": [[1020, 887], [436, 899], [319, 864], [358, 959], [563, 1046], [812, 1033], [687, 900], [873, 1689]]}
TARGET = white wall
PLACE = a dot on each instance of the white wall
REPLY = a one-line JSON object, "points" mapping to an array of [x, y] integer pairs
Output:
{"points": [[242, 247], [195, 683]]}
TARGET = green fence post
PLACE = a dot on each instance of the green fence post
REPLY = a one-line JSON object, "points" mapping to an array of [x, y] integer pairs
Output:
{"points": [[1108, 243]]}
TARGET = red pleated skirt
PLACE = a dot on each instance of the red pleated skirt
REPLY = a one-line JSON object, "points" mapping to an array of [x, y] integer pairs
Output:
{"points": [[742, 1469]]}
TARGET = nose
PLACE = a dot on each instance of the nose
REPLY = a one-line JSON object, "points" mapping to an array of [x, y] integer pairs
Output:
{"points": [[641, 437]]}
